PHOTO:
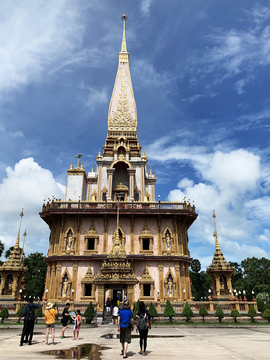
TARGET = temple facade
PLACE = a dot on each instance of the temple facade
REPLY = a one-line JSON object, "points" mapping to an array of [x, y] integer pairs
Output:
{"points": [[109, 234]]}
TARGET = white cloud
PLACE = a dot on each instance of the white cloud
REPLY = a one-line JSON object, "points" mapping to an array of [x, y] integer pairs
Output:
{"points": [[145, 7], [95, 96], [195, 97], [25, 186]]}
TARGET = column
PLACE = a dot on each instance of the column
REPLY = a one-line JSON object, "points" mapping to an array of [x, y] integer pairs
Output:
{"points": [[58, 276], [52, 282], [110, 172], [177, 279], [182, 279], [132, 236], [131, 174], [130, 291], [143, 183], [159, 235], [100, 289], [161, 280], [74, 279], [78, 235], [3, 279], [105, 234]]}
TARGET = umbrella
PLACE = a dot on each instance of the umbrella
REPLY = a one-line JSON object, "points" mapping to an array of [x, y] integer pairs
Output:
{"points": [[72, 313]]}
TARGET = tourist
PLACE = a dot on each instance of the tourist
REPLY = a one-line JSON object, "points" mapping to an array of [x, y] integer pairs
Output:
{"points": [[64, 320], [108, 305], [29, 320], [77, 325], [50, 314], [143, 323], [125, 324], [115, 314], [95, 312]]}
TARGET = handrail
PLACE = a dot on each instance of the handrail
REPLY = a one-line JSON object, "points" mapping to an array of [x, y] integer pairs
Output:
{"points": [[124, 205]]}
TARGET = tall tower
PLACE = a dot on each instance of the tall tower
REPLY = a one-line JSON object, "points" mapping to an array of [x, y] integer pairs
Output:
{"points": [[220, 271], [94, 253]]}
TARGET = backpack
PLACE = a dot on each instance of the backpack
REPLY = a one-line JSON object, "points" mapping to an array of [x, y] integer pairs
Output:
{"points": [[30, 313], [142, 325]]}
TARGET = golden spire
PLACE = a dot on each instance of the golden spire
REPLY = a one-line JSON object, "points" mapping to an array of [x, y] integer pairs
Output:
{"points": [[92, 168], [124, 45], [18, 237], [215, 232], [99, 156], [24, 235]]}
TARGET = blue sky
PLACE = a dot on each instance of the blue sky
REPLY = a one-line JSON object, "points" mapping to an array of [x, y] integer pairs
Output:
{"points": [[200, 73]]}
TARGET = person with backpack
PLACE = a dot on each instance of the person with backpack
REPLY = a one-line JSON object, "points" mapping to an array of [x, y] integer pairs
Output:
{"points": [[125, 325], [29, 320], [143, 323], [49, 315], [64, 320]]}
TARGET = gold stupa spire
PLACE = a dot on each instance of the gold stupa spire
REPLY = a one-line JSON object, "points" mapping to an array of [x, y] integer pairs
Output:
{"points": [[17, 244], [124, 44], [215, 232]]}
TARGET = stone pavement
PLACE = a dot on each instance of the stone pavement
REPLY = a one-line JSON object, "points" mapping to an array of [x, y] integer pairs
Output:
{"points": [[188, 342]]}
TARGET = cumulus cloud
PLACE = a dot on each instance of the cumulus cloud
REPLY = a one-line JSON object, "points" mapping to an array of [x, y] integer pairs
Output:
{"points": [[145, 7], [25, 186]]}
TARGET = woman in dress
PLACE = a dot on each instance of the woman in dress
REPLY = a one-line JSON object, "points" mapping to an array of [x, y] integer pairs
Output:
{"points": [[77, 325], [143, 323]]}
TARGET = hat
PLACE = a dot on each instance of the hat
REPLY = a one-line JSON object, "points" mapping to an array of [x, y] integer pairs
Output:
{"points": [[49, 306], [126, 303]]}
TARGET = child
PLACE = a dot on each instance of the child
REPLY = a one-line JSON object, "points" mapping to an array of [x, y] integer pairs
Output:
{"points": [[77, 325]]}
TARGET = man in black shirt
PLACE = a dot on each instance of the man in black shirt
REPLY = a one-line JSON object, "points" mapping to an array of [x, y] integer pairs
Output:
{"points": [[65, 316], [29, 320]]}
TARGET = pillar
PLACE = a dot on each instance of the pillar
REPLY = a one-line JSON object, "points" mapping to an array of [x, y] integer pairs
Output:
{"points": [[130, 293], [161, 280], [110, 172], [100, 302], [58, 277], [132, 236], [105, 234], [74, 279], [131, 174], [159, 236], [177, 279]]}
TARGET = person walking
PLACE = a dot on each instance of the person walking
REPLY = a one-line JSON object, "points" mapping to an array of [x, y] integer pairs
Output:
{"points": [[77, 325], [115, 314], [64, 320], [50, 314], [125, 324], [29, 320], [143, 323]]}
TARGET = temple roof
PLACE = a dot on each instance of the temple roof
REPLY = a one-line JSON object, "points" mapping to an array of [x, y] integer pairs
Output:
{"points": [[122, 115]]}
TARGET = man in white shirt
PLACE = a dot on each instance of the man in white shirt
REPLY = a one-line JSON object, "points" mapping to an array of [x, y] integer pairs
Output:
{"points": [[115, 314]]}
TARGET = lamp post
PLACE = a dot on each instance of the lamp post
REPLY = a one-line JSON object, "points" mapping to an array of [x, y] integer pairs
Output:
{"points": [[72, 294], [184, 292], [20, 295], [46, 295], [239, 293], [158, 298], [235, 298], [244, 294], [230, 292], [253, 297], [210, 299]]}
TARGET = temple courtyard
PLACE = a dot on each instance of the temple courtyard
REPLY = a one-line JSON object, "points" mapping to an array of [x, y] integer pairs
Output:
{"points": [[179, 342]]}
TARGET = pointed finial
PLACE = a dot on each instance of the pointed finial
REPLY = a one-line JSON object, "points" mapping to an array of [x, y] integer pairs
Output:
{"points": [[18, 237], [24, 235], [124, 45], [99, 156], [215, 232], [92, 168], [79, 161], [71, 166], [150, 170]]}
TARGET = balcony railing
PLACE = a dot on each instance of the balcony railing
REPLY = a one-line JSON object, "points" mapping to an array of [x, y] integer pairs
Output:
{"points": [[125, 205]]}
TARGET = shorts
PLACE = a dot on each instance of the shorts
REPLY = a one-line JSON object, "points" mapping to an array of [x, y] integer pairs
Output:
{"points": [[125, 335], [76, 328], [52, 326], [64, 324]]}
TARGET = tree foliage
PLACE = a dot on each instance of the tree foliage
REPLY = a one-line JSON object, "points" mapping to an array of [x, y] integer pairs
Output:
{"points": [[201, 283], [264, 296], [187, 312], [20, 312], [203, 312], [136, 309], [4, 314], [169, 310], [38, 313], [260, 305], [152, 311], [219, 313], [252, 313], [266, 314], [36, 274], [89, 313], [2, 248], [235, 314]]}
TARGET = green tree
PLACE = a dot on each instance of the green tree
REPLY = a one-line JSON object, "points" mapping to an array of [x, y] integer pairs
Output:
{"points": [[203, 312], [89, 313], [55, 307], [187, 312], [266, 314], [264, 296], [38, 313], [152, 311], [252, 313], [200, 284], [136, 309], [237, 276], [260, 305], [219, 313], [235, 314], [4, 314], [169, 310], [20, 312], [36, 274], [2, 248]]}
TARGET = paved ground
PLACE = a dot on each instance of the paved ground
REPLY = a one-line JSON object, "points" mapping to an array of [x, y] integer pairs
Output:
{"points": [[191, 343]]}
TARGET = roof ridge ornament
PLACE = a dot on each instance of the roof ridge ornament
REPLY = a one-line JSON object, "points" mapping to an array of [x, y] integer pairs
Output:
{"points": [[124, 44]]}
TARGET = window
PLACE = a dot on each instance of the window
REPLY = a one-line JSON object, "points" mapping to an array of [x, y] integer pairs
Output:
{"points": [[104, 196], [88, 290], [146, 289], [146, 244], [91, 244], [137, 196]]}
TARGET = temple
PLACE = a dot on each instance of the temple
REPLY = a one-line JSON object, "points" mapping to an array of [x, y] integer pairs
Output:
{"points": [[220, 271], [109, 234]]}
